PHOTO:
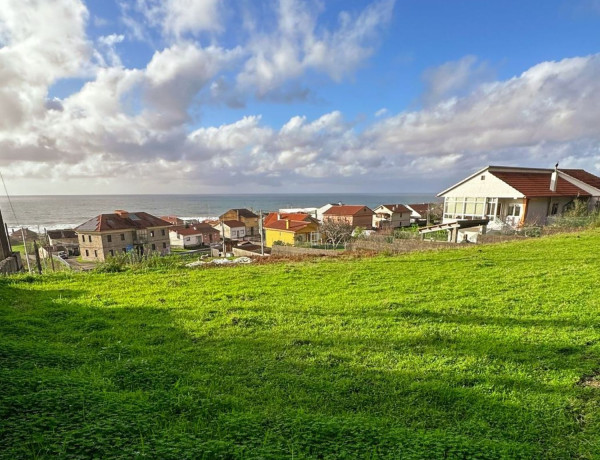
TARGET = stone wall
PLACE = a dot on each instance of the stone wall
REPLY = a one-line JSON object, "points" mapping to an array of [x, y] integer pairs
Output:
{"points": [[11, 264]]}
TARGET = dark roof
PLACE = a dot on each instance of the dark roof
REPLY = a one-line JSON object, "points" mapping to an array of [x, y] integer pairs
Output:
{"points": [[28, 233], [583, 176], [242, 212], [62, 234], [396, 207], [122, 221], [532, 184], [420, 208], [197, 229], [345, 210], [234, 223]]}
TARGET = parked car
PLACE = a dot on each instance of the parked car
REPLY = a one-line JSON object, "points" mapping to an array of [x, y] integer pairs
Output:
{"points": [[63, 255]]}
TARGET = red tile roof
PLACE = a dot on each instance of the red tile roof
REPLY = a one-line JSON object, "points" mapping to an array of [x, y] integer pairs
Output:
{"points": [[300, 216], [122, 221], [294, 225], [583, 176], [173, 219], [241, 212], [345, 210], [533, 184]]}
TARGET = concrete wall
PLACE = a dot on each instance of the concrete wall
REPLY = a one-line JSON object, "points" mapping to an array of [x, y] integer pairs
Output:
{"points": [[11, 264]]}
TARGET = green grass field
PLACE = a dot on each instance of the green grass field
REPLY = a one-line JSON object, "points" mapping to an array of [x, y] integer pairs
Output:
{"points": [[484, 352]]}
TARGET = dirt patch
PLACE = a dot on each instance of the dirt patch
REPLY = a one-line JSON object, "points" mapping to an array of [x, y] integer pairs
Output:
{"points": [[591, 380]]}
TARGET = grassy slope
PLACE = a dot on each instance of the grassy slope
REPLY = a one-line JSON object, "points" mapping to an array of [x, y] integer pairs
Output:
{"points": [[470, 353]]}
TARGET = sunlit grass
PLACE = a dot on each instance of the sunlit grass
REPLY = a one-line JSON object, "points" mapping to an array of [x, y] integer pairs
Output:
{"points": [[473, 353]]}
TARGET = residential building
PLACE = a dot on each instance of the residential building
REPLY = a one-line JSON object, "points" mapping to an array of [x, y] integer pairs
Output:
{"points": [[16, 237], [189, 236], [232, 229], [419, 212], [65, 237], [111, 234], [291, 228], [391, 216], [519, 196], [173, 220], [357, 216], [246, 216]]}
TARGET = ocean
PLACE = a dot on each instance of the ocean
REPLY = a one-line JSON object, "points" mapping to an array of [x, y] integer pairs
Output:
{"points": [[68, 211]]}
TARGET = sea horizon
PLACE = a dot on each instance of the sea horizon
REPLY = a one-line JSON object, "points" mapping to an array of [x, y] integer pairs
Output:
{"points": [[47, 212]]}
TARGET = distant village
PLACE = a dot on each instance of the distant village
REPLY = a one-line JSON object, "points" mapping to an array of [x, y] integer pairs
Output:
{"points": [[495, 198]]}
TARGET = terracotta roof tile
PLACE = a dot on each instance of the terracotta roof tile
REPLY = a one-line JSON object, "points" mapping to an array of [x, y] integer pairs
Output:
{"points": [[128, 221], [345, 210], [294, 225], [583, 176], [533, 184]]}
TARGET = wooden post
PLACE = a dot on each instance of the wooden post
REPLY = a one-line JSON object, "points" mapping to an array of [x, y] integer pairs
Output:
{"points": [[37, 257]]}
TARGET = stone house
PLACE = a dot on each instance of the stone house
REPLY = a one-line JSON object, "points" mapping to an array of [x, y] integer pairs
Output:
{"points": [[107, 235]]}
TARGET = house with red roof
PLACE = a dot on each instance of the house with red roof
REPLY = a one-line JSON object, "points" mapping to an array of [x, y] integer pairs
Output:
{"points": [[355, 215], [107, 235], [291, 228], [519, 196], [189, 236], [391, 216]]}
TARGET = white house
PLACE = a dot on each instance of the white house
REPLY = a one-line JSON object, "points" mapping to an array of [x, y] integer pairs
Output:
{"points": [[391, 216], [518, 196], [183, 236], [233, 229]]}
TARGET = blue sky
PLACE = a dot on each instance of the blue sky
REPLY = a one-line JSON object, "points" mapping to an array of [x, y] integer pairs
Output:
{"points": [[110, 96]]}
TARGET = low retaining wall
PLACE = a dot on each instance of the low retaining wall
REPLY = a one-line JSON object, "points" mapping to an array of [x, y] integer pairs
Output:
{"points": [[291, 250], [399, 246]]}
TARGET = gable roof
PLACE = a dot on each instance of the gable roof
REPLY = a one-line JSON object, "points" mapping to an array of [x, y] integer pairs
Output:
{"points": [[583, 176], [121, 221], [534, 184], [196, 229], [241, 212], [234, 223], [420, 208], [299, 216], [345, 210], [60, 234], [395, 207], [288, 225]]}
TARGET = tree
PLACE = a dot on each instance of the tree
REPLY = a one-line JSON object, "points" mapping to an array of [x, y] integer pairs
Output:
{"points": [[336, 232]]}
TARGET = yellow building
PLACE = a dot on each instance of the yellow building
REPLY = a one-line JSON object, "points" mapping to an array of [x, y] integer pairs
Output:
{"points": [[290, 229]]}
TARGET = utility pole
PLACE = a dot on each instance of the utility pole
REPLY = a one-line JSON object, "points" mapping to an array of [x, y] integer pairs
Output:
{"points": [[223, 238], [25, 248], [37, 257]]}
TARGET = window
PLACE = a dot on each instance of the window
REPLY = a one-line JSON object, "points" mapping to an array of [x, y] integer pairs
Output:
{"points": [[95, 253], [554, 209], [151, 233], [124, 249], [162, 232], [482, 177], [83, 238], [514, 210], [112, 253], [122, 236], [87, 253], [108, 238], [164, 245], [153, 246], [90, 238]]}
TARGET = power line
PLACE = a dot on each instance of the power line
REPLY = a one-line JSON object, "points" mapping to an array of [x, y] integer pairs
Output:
{"points": [[17, 222]]}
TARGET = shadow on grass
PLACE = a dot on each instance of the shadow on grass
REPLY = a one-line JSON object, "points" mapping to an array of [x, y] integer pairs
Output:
{"points": [[84, 377]]}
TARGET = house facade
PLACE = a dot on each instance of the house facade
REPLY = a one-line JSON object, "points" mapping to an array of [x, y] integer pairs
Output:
{"points": [[355, 215], [249, 219], [193, 235], [518, 196], [291, 228], [231, 229], [391, 216], [107, 235]]}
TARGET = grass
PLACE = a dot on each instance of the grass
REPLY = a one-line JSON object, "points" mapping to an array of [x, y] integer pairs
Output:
{"points": [[483, 352]]}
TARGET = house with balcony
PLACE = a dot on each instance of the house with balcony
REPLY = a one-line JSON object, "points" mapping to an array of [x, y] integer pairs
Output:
{"points": [[391, 216], [107, 235], [291, 228], [515, 197]]}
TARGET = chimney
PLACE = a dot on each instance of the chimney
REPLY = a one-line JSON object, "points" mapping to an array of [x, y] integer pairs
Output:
{"points": [[554, 179], [278, 216], [287, 224], [121, 213]]}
